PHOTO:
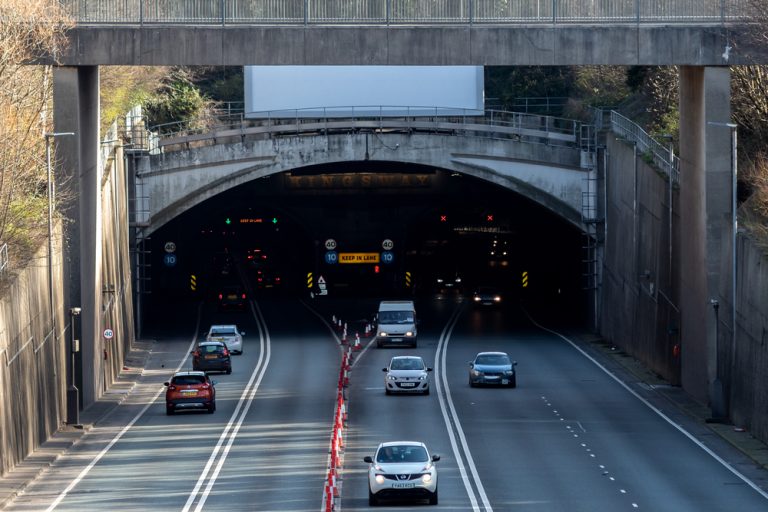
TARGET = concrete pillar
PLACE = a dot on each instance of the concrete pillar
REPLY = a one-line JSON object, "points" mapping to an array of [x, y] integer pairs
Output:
{"points": [[76, 109], [695, 328], [704, 206]]}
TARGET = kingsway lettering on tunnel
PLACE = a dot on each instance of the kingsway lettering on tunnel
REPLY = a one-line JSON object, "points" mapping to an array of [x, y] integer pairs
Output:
{"points": [[331, 181]]}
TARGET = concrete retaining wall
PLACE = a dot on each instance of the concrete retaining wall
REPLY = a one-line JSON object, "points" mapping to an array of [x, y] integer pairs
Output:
{"points": [[640, 287], [749, 394], [34, 350], [641, 294], [32, 357]]}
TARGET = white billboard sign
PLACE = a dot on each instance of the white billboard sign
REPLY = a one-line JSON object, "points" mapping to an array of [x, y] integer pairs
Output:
{"points": [[344, 91]]}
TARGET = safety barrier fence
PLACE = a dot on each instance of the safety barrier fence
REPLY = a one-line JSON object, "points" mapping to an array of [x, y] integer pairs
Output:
{"points": [[392, 12], [3, 258], [663, 156], [490, 124]]}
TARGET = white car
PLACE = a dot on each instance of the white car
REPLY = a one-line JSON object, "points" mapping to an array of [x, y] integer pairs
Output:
{"points": [[406, 374], [229, 334], [402, 469]]}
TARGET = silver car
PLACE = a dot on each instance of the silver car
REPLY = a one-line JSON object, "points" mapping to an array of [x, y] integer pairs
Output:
{"points": [[406, 374], [402, 469], [492, 368], [229, 334]]}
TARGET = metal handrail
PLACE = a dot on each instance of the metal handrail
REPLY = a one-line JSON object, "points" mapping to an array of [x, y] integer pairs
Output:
{"points": [[3, 258], [392, 12], [662, 155], [488, 124]]}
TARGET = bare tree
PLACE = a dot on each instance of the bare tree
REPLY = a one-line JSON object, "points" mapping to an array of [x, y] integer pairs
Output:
{"points": [[29, 29]]}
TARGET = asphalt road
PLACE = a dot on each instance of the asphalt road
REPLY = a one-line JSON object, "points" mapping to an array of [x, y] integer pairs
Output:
{"points": [[570, 437]]}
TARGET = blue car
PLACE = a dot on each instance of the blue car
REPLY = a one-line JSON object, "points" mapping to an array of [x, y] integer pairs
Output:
{"points": [[492, 368]]}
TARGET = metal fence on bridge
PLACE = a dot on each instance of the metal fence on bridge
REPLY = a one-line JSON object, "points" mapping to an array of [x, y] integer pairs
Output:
{"points": [[393, 12], [230, 125]]}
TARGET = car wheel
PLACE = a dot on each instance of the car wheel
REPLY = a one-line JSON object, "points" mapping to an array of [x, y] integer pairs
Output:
{"points": [[229, 371], [378, 344], [426, 391], [387, 391], [513, 382], [212, 408], [471, 383], [372, 500], [433, 498], [169, 411]]}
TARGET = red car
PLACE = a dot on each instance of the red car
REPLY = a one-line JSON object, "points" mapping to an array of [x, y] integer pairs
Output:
{"points": [[190, 391]]}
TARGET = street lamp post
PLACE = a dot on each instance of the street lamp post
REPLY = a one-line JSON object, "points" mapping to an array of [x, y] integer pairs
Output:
{"points": [[73, 394]]}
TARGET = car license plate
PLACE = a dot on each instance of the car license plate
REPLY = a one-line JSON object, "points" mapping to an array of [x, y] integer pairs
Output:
{"points": [[188, 391], [396, 339], [211, 356], [232, 297], [505, 381], [407, 384], [403, 485]]}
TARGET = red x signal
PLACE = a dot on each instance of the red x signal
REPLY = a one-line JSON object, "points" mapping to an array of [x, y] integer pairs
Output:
{"points": [[489, 218], [443, 218]]}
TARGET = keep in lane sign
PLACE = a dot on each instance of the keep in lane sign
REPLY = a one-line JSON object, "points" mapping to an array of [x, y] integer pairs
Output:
{"points": [[358, 257]]}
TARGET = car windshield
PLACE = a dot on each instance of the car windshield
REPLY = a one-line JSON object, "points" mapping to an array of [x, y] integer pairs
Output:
{"points": [[396, 317], [494, 359], [402, 453], [181, 380], [223, 331], [407, 363]]}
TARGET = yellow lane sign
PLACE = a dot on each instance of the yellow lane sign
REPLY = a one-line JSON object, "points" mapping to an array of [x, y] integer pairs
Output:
{"points": [[358, 257]]}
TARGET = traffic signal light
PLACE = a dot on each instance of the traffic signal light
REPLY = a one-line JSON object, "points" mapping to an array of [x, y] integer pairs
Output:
{"points": [[376, 269]]}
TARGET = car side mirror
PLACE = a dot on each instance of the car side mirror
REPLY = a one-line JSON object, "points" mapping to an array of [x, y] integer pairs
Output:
{"points": [[166, 384], [383, 369], [368, 459], [214, 382], [471, 364], [191, 351], [429, 369], [435, 458], [514, 363]]}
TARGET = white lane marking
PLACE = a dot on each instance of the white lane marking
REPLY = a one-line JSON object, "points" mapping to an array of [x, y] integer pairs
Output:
{"points": [[237, 418], [439, 383], [666, 418], [120, 434]]}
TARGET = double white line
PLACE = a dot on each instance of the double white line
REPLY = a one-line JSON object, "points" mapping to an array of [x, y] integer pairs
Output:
{"points": [[199, 495], [452, 421]]}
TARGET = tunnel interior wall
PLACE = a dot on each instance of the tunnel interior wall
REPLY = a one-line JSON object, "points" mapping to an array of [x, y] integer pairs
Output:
{"points": [[32, 357], [640, 293]]}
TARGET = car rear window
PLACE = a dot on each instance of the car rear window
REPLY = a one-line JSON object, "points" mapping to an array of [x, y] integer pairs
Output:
{"points": [[188, 379], [211, 349], [223, 332]]}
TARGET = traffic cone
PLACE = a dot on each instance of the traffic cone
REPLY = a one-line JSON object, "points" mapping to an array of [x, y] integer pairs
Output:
{"points": [[357, 342], [344, 337]]}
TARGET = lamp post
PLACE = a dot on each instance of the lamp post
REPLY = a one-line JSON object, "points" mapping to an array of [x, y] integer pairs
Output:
{"points": [[73, 394], [734, 232]]}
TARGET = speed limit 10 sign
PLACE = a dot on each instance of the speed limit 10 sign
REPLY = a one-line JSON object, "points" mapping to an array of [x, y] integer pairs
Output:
{"points": [[109, 334]]}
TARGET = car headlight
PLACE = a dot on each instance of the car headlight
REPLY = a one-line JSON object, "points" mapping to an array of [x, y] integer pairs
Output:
{"points": [[426, 478], [497, 299], [380, 479], [383, 334], [409, 333], [476, 298], [423, 376], [509, 372], [391, 377], [476, 373]]}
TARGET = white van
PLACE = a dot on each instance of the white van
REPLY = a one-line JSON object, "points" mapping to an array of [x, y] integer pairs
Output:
{"points": [[396, 323]]}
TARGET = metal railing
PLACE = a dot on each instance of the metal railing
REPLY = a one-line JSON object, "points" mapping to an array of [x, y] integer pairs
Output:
{"points": [[392, 12], [663, 156], [325, 120], [3, 258]]}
